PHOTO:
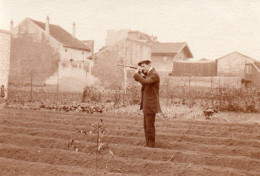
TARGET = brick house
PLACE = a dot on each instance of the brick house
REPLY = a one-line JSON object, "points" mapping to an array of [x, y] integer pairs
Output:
{"points": [[5, 44], [164, 54], [50, 53]]}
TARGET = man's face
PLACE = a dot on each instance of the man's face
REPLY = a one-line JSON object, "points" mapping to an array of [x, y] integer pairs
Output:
{"points": [[145, 68]]}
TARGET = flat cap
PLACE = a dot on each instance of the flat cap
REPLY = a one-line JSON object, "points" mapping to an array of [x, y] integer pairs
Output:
{"points": [[146, 61]]}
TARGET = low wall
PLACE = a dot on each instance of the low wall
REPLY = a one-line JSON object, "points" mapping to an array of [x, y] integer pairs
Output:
{"points": [[207, 82]]}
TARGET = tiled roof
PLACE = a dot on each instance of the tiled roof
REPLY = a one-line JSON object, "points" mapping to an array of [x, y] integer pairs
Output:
{"points": [[63, 36], [167, 47]]}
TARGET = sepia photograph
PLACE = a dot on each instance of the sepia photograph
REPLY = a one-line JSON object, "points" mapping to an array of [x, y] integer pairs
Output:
{"points": [[130, 88]]}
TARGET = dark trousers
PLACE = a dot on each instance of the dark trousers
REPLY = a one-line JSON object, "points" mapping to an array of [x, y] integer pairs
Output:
{"points": [[149, 129]]}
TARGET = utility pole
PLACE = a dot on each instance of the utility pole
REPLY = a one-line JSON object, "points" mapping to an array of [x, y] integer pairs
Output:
{"points": [[58, 80], [125, 71]]}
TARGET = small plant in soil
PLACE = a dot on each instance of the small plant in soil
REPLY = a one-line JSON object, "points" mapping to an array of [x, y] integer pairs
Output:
{"points": [[100, 131]]}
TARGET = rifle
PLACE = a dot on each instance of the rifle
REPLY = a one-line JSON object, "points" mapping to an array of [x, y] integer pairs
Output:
{"points": [[129, 66]]}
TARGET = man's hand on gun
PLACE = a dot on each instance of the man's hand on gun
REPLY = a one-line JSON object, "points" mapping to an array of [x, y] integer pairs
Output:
{"points": [[139, 71]]}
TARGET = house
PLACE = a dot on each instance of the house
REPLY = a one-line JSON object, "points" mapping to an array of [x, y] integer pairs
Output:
{"points": [[130, 46], [122, 47], [49, 54], [232, 65], [128, 52], [164, 54], [252, 75], [5, 44]]}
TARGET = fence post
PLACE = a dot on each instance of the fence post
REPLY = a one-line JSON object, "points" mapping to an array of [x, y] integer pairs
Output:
{"points": [[189, 99], [58, 81], [125, 71], [211, 88], [167, 91], [189, 82], [189, 85], [31, 85]]}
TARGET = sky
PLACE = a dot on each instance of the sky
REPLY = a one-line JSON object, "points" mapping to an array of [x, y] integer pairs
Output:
{"points": [[211, 28]]}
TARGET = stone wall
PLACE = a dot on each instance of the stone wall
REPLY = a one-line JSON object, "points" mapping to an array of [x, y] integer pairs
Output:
{"points": [[5, 42]]}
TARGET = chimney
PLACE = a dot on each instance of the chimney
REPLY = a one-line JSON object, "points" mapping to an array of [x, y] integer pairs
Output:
{"points": [[155, 39], [11, 25], [73, 30], [47, 26]]}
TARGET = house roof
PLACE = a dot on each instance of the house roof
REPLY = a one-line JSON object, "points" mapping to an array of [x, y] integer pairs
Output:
{"points": [[194, 61], [63, 36], [169, 48], [104, 48], [233, 53], [166, 47]]}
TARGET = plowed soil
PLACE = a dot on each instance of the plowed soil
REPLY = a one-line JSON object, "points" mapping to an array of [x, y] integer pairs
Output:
{"points": [[35, 142]]}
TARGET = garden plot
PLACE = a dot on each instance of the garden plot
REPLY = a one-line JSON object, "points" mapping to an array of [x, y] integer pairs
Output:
{"points": [[35, 142]]}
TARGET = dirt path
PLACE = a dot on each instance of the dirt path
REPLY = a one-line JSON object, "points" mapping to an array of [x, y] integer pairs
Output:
{"points": [[37, 143]]}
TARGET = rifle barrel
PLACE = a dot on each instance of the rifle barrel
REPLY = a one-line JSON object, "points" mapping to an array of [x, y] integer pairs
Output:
{"points": [[130, 66]]}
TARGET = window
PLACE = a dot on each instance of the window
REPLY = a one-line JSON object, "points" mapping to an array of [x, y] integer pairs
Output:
{"points": [[66, 49], [249, 69], [82, 53]]}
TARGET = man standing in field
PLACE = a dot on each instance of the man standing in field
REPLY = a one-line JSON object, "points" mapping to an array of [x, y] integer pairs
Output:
{"points": [[150, 105]]}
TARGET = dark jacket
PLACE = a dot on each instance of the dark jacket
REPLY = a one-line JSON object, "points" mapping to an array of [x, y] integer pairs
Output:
{"points": [[150, 92]]}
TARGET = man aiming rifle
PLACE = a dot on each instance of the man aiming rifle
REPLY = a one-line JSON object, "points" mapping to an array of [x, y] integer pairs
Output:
{"points": [[150, 105]]}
